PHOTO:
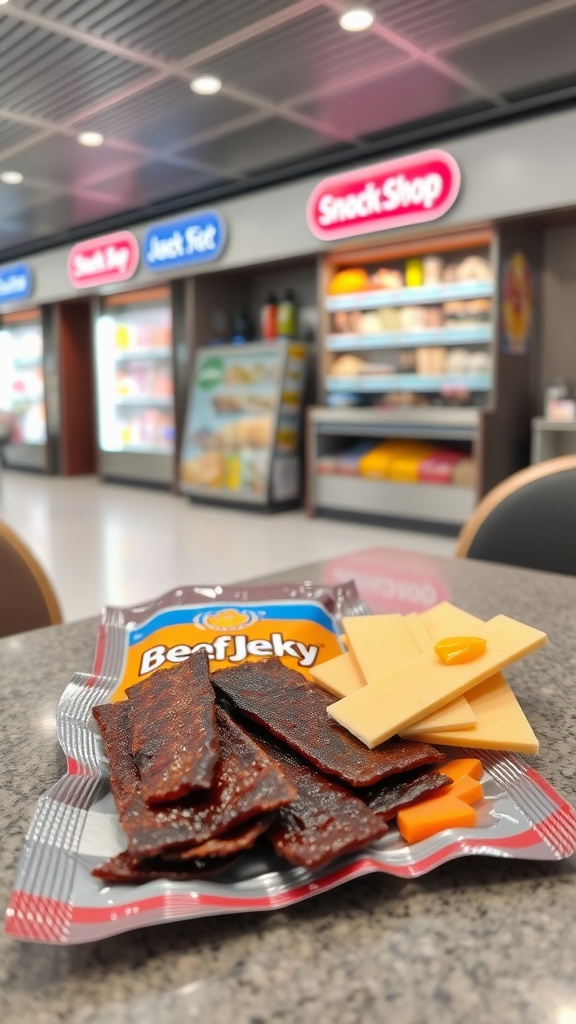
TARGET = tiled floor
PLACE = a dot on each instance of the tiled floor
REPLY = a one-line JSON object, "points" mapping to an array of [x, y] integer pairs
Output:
{"points": [[103, 543]]}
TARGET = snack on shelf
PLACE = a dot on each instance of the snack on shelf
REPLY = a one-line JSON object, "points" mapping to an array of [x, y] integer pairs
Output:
{"points": [[465, 473], [404, 467], [430, 360], [347, 366], [432, 267], [371, 323], [439, 467], [414, 273], [413, 318], [354, 279], [474, 268], [384, 278]]}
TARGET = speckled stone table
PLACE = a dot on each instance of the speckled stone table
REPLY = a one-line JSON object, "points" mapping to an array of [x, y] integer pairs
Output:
{"points": [[476, 941]]}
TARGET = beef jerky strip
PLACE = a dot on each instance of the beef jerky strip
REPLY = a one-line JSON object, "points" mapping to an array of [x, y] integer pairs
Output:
{"points": [[241, 838], [173, 733], [294, 710], [387, 798], [247, 783], [324, 821], [124, 868]]}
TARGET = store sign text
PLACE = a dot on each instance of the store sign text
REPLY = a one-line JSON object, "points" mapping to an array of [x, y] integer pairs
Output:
{"points": [[197, 239], [103, 260], [15, 282], [409, 190]]}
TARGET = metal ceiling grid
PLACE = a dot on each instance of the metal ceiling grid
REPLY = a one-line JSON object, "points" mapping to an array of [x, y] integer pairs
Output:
{"points": [[406, 95], [295, 86], [434, 23]]}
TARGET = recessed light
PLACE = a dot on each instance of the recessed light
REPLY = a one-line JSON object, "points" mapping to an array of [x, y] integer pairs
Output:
{"points": [[11, 177], [90, 139], [206, 85], [357, 19]]}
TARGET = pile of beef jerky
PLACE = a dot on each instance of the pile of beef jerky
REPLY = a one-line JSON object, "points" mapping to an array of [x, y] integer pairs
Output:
{"points": [[203, 765]]}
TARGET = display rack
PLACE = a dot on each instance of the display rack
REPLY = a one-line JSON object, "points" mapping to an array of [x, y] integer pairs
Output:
{"points": [[425, 376], [22, 388]]}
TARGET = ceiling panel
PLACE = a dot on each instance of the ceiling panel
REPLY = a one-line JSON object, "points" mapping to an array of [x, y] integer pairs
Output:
{"points": [[62, 159], [47, 76], [15, 199], [12, 133], [165, 114], [430, 24], [260, 146], [184, 27], [526, 60], [401, 97], [153, 181], [300, 56]]}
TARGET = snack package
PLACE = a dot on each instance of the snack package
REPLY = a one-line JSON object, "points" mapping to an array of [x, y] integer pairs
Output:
{"points": [[57, 895]]}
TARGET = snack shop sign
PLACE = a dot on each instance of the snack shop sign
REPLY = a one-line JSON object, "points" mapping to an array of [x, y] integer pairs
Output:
{"points": [[15, 282], [103, 260], [409, 190], [196, 239]]}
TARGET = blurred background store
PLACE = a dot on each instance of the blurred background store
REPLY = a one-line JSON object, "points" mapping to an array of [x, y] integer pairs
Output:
{"points": [[277, 279]]}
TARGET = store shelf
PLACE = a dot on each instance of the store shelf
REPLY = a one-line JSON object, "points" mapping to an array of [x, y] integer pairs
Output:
{"points": [[410, 296], [481, 334], [435, 424], [139, 401], [376, 383], [133, 354], [438, 503], [148, 449]]}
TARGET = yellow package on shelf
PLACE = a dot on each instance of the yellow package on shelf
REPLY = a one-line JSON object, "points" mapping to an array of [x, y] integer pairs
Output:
{"points": [[376, 463], [405, 467]]}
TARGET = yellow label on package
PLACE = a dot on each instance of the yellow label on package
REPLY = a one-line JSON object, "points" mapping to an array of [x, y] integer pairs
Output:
{"points": [[300, 633]]}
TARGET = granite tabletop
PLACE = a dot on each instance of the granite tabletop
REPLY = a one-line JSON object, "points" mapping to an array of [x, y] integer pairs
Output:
{"points": [[478, 940]]}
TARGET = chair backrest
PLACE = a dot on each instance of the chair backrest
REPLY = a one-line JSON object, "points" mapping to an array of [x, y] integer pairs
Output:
{"points": [[27, 598], [527, 520]]}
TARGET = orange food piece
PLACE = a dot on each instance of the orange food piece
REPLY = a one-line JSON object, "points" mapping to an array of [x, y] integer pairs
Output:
{"points": [[461, 766], [431, 816], [458, 650], [467, 789]]}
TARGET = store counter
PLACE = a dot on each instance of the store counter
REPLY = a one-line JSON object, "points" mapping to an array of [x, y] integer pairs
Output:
{"points": [[476, 940]]}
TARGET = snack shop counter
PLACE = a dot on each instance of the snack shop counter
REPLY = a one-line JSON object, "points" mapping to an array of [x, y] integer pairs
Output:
{"points": [[478, 938]]}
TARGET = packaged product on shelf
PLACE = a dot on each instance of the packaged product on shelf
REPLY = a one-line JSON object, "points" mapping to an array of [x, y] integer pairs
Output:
{"points": [[371, 323], [327, 464], [376, 463], [414, 273], [404, 467], [347, 366], [379, 369], [438, 468], [339, 322], [480, 362], [389, 318], [348, 462], [430, 360], [287, 316], [465, 473], [458, 361], [433, 317], [385, 278], [269, 319], [432, 267], [407, 360], [413, 318], [474, 268], [353, 279]]}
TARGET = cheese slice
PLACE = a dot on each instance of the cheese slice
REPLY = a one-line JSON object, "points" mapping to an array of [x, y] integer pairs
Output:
{"points": [[339, 676], [379, 644], [446, 619], [380, 710], [457, 714], [420, 634], [500, 722]]}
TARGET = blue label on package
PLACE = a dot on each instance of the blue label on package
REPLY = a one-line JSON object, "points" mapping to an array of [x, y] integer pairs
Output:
{"points": [[195, 239], [15, 282]]}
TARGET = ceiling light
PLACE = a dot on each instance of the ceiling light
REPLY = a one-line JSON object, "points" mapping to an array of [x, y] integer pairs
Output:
{"points": [[357, 19], [11, 177], [206, 85], [90, 139]]}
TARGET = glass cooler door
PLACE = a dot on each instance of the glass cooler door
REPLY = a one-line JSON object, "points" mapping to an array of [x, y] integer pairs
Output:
{"points": [[22, 389]]}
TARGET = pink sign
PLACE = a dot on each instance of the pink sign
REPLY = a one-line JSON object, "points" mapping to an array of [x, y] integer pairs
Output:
{"points": [[389, 581], [409, 190], [103, 260]]}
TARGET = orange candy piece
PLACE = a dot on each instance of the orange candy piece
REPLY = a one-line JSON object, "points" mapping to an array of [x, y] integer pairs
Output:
{"points": [[467, 789], [458, 650]]}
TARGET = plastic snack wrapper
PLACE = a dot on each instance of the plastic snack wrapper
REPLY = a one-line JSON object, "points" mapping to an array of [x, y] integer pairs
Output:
{"points": [[56, 899]]}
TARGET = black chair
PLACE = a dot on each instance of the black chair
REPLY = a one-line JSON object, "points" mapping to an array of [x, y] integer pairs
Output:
{"points": [[528, 520]]}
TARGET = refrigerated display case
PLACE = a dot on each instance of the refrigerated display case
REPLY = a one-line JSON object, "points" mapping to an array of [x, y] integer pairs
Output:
{"points": [[135, 387], [243, 427], [22, 390]]}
